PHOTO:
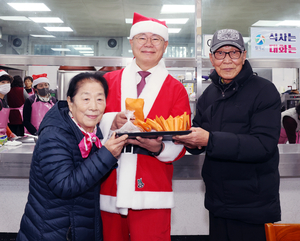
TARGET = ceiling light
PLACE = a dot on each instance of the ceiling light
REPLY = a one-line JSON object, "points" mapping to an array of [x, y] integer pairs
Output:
{"points": [[42, 36], [174, 30], [58, 29], [86, 52], [289, 23], [175, 20], [83, 48], [14, 18], [168, 21], [60, 49], [46, 20], [177, 8], [33, 7], [266, 23]]}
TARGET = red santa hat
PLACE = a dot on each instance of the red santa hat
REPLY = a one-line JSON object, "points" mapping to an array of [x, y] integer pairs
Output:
{"points": [[2, 72], [142, 24], [40, 78]]}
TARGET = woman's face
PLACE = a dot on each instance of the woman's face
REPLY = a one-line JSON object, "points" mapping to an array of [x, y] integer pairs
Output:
{"points": [[4, 82], [88, 104], [41, 89], [28, 84]]}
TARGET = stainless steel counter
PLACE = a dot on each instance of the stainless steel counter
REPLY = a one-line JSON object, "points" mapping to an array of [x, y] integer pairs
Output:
{"points": [[15, 162]]}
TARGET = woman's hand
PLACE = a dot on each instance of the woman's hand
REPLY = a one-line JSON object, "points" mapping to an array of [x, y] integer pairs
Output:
{"points": [[115, 145], [196, 139], [152, 145]]}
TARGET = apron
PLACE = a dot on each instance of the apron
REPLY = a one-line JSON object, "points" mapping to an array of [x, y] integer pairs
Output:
{"points": [[4, 116], [283, 137], [21, 112], [31, 93], [38, 111]]}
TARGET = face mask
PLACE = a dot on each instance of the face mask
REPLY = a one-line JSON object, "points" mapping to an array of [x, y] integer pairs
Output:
{"points": [[43, 92], [4, 89]]}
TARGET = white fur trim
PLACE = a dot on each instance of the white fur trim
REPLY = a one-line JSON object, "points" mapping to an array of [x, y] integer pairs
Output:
{"points": [[126, 173], [170, 152], [3, 72], [105, 125], [149, 27], [108, 204], [140, 200], [151, 89], [147, 200], [40, 80]]}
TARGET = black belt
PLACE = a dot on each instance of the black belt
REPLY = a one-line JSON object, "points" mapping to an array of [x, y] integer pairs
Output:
{"points": [[134, 149]]}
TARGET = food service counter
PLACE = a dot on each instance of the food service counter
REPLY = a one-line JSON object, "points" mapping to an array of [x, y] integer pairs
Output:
{"points": [[15, 162], [189, 217]]}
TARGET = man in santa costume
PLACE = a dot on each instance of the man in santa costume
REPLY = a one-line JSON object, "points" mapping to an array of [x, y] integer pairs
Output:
{"points": [[136, 196]]}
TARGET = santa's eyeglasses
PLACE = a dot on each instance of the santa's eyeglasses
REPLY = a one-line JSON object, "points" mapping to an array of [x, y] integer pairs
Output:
{"points": [[143, 40]]}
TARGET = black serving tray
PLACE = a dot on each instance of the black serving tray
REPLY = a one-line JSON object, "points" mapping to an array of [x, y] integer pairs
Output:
{"points": [[167, 135]]}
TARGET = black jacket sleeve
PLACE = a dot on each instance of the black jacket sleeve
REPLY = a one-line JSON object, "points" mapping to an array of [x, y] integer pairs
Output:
{"points": [[27, 117]]}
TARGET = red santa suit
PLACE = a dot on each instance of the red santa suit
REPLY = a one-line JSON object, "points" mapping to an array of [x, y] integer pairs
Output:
{"points": [[142, 181]]}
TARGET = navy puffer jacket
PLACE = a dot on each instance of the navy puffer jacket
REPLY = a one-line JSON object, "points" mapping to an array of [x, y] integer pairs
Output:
{"points": [[240, 170], [63, 200]]}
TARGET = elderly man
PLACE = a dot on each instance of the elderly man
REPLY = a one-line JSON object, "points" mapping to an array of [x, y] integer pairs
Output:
{"points": [[137, 197], [238, 124]]}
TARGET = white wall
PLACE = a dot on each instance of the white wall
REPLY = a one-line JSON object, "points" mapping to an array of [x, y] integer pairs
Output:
{"points": [[51, 72], [284, 77]]}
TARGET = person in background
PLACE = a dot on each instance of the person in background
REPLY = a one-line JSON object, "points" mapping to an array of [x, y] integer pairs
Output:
{"points": [[290, 126], [28, 81], [16, 99], [5, 81], [67, 165], [137, 197], [237, 124], [36, 106]]}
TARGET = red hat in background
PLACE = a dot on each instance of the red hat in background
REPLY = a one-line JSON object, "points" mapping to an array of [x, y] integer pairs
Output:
{"points": [[3, 72], [5, 75], [142, 24], [41, 78]]}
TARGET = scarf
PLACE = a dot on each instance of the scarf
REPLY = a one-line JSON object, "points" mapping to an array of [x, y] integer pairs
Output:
{"points": [[87, 141]]}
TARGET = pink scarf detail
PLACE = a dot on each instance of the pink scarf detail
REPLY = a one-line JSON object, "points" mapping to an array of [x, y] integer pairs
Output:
{"points": [[87, 141]]}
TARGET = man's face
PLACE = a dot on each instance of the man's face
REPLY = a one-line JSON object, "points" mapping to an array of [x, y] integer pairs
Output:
{"points": [[148, 54], [228, 68]]}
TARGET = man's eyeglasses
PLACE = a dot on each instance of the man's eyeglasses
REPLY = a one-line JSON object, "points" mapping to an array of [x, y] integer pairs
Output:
{"points": [[232, 54], [154, 40]]}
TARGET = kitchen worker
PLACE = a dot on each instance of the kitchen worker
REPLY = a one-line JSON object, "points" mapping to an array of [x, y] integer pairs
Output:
{"points": [[37, 105], [16, 99], [5, 132], [28, 81], [237, 124], [137, 197], [67, 164], [290, 126]]}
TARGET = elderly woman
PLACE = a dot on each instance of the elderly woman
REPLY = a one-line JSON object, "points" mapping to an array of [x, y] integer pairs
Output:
{"points": [[68, 163]]}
